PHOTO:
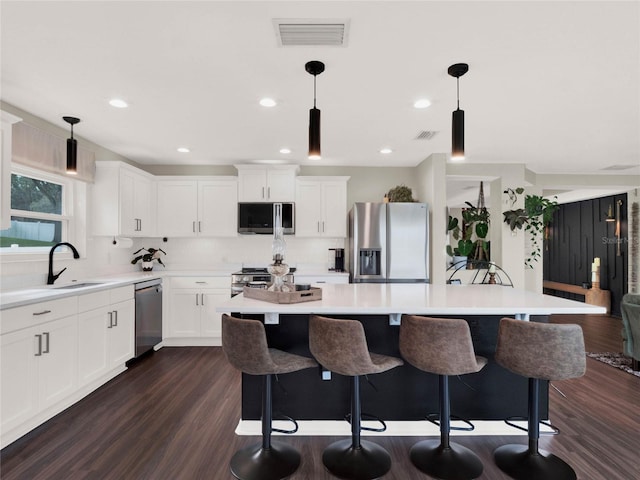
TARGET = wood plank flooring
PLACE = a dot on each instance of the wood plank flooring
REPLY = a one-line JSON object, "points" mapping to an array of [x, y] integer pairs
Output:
{"points": [[173, 414]]}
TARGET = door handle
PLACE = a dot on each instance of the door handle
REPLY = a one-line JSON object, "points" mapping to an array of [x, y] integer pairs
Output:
{"points": [[46, 337], [323, 226], [268, 192], [140, 220], [196, 299], [39, 337], [199, 227], [202, 299], [194, 227], [110, 320], [318, 226], [262, 192], [115, 318], [44, 312]]}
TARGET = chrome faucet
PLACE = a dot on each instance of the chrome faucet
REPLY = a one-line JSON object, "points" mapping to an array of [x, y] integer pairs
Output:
{"points": [[52, 278]]}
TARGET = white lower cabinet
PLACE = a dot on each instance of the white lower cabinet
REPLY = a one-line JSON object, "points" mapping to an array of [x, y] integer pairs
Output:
{"points": [[55, 352], [193, 319], [105, 334], [38, 369]]}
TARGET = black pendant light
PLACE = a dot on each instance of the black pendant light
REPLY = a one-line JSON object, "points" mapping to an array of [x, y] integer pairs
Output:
{"points": [[457, 123], [72, 147], [314, 68]]}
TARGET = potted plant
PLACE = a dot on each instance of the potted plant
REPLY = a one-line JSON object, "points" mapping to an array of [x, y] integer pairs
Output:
{"points": [[400, 193], [534, 218], [148, 258], [470, 234]]}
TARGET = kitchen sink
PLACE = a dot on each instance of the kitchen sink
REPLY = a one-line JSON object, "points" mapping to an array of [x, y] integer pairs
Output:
{"points": [[78, 285]]}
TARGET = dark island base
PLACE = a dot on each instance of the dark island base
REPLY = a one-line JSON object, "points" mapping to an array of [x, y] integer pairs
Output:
{"points": [[403, 393]]}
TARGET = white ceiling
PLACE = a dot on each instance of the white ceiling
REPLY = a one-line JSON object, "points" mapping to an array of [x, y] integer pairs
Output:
{"points": [[553, 85]]}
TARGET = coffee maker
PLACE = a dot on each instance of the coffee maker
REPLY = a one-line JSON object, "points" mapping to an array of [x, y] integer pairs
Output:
{"points": [[336, 260]]}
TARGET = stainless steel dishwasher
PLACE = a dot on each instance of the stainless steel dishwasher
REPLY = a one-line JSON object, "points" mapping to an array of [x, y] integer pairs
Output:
{"points": [[148, 315]]}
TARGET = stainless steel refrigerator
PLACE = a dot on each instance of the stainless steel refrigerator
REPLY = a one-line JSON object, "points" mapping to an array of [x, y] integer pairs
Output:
{"points": [[389, 242]]}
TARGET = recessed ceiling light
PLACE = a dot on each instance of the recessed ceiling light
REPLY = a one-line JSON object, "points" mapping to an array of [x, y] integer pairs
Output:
{"points": [[285, 150], [118, 103], [183, 150], [422, 103], [268, 102], [385, 150]]}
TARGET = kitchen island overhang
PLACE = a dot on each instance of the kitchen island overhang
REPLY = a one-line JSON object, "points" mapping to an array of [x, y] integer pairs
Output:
{"points": [[405, 394]]}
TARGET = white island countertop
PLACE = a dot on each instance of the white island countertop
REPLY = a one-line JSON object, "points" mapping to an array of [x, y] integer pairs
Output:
{"points": [[420, 299]]}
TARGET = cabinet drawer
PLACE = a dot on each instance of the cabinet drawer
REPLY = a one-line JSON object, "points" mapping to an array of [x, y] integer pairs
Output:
{"points": [[37, 313], [201, 282], [91, 301], [121, 294]]}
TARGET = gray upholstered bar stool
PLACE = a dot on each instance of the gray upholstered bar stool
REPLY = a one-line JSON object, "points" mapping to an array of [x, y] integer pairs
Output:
{"points": [[245, 345], [340, 346], [442, 346], [538, 351]]}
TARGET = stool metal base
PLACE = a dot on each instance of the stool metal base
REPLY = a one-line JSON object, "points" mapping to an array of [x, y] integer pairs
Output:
{"points": [[366, 462], [520, 463], [257, 463], [454, 462]]}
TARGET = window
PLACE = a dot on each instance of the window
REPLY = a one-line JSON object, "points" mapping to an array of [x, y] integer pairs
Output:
{"points": [[39, 216]]}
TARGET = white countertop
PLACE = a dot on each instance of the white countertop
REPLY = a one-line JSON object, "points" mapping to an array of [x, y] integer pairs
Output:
{"points": [[422, 299]]}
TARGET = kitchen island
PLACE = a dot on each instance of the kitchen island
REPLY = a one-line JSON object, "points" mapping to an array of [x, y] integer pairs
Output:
{"points": [[403, 394]]}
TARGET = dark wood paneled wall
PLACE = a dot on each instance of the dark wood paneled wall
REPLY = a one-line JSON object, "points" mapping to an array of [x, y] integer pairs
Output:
{"points": [[578, 233]]}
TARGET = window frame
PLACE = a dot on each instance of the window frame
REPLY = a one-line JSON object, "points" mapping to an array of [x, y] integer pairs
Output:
{"points": [[66, 217]]}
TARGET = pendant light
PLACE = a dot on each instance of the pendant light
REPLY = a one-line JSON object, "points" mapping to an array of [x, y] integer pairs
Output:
{"points": [[72, 147], [314, 68], [457, 123]]}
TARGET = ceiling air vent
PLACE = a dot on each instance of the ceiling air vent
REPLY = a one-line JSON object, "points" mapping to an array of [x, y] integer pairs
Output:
{"points": [[426, 135], [306, 32]]}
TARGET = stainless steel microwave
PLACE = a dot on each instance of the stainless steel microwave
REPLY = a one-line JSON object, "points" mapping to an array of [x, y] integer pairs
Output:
{"points": [[259, 218]]}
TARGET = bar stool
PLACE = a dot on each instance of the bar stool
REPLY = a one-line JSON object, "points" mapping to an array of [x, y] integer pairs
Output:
{"points": [[442, 346], [341, 347], [539, 351], [244, 343]]}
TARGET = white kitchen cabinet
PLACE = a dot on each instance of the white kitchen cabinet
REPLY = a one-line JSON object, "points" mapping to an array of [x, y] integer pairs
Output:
{"points": [[38, 367], [321, 206], [105, 334], [6, 121], [192, 316], [258, 183], [189, 208], [123, 201]]}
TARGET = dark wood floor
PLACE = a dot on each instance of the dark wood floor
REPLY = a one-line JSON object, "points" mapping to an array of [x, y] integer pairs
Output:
{"points": [[172, 416]]}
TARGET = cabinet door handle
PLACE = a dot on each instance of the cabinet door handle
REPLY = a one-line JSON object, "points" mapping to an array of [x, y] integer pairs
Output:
{"points": [[140, 220], [196, 299], [199, 227], [194, 227], [262, 192], [115, 318], [268, 192], [202, 299], [39, 337], [202, 283], [46, 338], [318, 226], [110, 320], [323, 227], [44, 312]]}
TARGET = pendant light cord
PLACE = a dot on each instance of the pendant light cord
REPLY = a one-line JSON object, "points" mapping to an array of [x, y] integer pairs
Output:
{"points": [[314, 91], [458, 91]]}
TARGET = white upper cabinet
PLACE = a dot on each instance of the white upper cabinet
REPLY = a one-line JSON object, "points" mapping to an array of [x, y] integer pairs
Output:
{"points": [[321, 206], [258, 183], [189, 208], [7, 121], [123, 201]]}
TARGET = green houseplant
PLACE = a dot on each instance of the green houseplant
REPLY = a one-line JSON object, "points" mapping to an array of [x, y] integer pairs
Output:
{"points": [[148, 258], [533, 218], [470, 233], [400, 193]]}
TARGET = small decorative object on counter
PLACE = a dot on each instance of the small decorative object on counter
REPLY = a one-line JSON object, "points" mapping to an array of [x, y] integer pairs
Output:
{"points": [[278, 269], [148, 258]]}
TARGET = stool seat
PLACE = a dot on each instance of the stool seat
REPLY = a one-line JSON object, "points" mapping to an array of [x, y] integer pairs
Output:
{"points": [[539, 351], [442, 346], [340, 345], [244, 343]]}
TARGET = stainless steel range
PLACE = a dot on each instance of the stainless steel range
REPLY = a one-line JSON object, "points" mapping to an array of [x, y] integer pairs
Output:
{"points": [[254, 277]]}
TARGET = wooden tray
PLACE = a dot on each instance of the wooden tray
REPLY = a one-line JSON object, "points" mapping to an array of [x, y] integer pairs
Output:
{"points": [[310, 295]]}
